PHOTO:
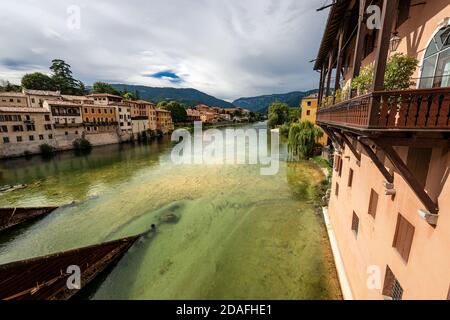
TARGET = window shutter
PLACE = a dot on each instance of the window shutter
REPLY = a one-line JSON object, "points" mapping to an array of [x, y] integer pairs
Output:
{"points": [[355, 224], [373, 203], [403, 238], [350, 178]]}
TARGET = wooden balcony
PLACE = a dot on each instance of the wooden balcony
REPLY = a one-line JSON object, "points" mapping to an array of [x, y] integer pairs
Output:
{"points": [[409, 110]]}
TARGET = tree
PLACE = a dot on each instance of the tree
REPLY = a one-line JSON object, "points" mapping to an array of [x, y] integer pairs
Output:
{"points": [[6, 86], [302, 139], [38, 81], [103, 87], [278, 114], [128, 96], [63, 79], [178, 110]]}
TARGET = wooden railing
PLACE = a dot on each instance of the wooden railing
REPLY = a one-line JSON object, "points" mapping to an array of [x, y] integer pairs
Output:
{"points": [[402, 110]]}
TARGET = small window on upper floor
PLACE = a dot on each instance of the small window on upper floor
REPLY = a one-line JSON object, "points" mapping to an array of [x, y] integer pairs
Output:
{"points": [[355, 224], [373, 203], [309, 103], [418, 162], [350, 178]]}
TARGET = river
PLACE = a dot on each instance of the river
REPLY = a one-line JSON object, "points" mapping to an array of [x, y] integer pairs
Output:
{"points": [[237, 234]]}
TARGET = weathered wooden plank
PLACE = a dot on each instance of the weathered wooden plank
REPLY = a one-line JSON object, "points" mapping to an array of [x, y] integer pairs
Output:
{"points": [[10, 217], [45, 278]]}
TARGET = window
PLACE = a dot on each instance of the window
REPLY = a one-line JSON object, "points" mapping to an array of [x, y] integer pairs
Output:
{"points": [[19, 139], [403, 238], [336, 190], [17, 128], [355, 224], [41, 137], [31, 127], [31, 138], [340, 167], [48, 127], [350, 178], [27, 118], [436, 63], [66, 133], [392, 288], [373, 203], [419, 162], [47, 117], [85, 110], [308, 112], [3, 128], [50, 136], [5, 140]]}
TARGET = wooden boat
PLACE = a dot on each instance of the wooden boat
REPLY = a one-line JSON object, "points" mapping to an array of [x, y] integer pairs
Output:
{"points": [[46, 278], [10, 217]]}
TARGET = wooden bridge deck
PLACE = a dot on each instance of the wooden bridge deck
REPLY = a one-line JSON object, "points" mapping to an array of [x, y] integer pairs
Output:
{"points": [[10, 217], [45, 278]]}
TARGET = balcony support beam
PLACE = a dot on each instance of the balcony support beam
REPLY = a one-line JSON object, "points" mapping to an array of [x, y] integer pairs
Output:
{"points": [[372, 155], [406, 174], [350, 145], [333, 137], [337, 81]]}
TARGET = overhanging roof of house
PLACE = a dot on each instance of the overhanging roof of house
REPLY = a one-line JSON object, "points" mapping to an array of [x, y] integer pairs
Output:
{"points": [[330, 34]]}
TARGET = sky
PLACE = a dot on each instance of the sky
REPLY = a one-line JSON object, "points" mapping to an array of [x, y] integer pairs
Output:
{"points": [[226, 48]]}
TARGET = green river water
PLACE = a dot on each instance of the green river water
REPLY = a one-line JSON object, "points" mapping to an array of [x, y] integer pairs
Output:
{"points": [[240, 235]]}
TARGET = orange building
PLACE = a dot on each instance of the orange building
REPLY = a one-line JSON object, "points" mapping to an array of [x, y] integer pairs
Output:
{"points": [[389, 207], [164, 121], [309, 106], [99, 118]]}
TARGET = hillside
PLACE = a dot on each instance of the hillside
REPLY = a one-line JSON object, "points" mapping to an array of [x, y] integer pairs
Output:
{"points": [[188, 96], [262, 103]]}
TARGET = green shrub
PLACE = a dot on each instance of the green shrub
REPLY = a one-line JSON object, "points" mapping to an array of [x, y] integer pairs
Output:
{"points": [[399, 70], [82, 144], [46, 149]]}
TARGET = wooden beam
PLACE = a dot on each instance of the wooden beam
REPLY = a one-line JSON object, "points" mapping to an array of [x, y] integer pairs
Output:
{"points": [[322, 79], [418, 142], [332, 136], [350, 145], [388, 17], [360, 36], [407, 175], [337, 81], [330, 71], [372, 155]]}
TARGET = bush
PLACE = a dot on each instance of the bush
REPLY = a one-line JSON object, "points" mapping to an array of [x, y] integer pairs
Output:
{"points": [[399, 70], [82, 145], [46, 149]]}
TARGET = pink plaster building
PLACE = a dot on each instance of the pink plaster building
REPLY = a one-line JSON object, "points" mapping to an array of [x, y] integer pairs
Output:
{"points": [[390, 200]]}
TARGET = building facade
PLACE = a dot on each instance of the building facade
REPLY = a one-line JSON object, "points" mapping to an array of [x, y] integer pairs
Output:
{"points": [[164, 122], [24, 129], [390, 199], [99, 118]]}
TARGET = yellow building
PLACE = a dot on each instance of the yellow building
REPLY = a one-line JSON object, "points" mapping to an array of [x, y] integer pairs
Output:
{"points": [[309, 107]]}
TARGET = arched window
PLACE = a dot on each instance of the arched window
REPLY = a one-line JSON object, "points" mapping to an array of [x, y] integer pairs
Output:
{"points": [[436, 63]]}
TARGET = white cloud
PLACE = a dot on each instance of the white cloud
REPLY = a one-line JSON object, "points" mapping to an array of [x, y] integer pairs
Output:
{"points": [[227, 48]]}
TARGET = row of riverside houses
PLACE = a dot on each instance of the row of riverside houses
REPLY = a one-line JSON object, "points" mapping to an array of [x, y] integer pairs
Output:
{"points": [[390, 200], [212, 115], [34, 117]]}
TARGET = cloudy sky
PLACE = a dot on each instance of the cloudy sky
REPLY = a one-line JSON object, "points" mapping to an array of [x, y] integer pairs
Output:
{"points": [[227, 48]]}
